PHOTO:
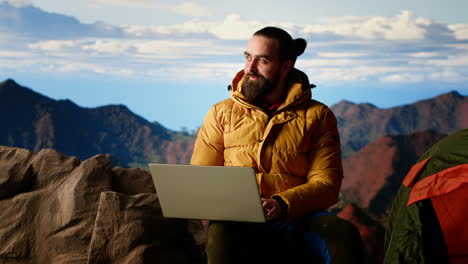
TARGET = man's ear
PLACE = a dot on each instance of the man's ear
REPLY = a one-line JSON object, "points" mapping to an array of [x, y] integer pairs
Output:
{"points": [[286, 67]]}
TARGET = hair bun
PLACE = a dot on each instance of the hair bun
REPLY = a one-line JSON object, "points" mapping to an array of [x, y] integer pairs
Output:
{"points": [[299, 45]]}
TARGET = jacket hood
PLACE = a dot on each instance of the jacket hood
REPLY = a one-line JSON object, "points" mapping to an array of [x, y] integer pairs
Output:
{"points": [[298, 88]]}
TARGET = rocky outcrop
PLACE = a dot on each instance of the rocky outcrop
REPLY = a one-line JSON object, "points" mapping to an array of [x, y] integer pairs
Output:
{"points": [[372, 232], [57, 209]]}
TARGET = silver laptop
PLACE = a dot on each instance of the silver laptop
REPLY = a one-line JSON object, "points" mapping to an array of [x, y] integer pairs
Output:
{"points": [[208, 192]]}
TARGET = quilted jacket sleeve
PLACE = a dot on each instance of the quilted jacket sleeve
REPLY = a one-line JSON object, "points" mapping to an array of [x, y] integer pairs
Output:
{"points": [[325, 171], [209, 146]]}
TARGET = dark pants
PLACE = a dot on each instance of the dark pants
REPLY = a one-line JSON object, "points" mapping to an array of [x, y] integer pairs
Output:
{"points": [[317, 238]]}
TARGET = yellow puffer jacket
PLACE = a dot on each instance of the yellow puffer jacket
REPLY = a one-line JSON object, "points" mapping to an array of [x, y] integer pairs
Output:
{"points": [[295, 151]]}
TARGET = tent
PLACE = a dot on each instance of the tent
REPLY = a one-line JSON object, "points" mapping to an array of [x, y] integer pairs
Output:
{"points": [[427, 222]]}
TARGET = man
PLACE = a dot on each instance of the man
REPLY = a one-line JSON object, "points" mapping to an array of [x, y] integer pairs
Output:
{"points": [[271, 123]]}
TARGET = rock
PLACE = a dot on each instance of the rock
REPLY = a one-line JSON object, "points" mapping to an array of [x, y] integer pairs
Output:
{"points": [[122, 220], [15, 172], [132, 181], [56, 209], [372, 232]]}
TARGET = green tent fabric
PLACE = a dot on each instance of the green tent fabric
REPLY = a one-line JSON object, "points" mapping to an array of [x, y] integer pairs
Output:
{"points": [[427, 222]]}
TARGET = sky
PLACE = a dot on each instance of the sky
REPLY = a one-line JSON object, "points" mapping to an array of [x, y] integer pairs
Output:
{"points": [[169, 61]]}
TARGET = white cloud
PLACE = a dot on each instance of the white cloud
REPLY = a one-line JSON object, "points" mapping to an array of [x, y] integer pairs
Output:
{"points": [[72, 67], [355, 73], [340, 54], [459, 46], [197, 71], [461, 31], [15, 65], [398, 49], [17, 3], [401, 27], [115, 47], [169, 48], [450, 61], [231, 28], [191, 9], [132, 3], [423, 54], [335, 75], [405, 27], [403, 78], [324, 62], [67, 66], [449, 75], [140, 50], [54, 45], [14, 54]]}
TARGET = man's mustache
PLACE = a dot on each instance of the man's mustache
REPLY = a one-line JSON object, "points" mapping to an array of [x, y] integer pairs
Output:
{"points": [[253, 74]]}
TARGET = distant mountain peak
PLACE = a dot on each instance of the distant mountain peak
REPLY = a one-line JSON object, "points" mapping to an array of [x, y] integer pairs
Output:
{"points": [[10, 86], [349, 103], [43, 122], [345, 107], [451, 94], [345, 102], [114, 108], [12, 89], [341, 107], [454, 92], [9, 83]]}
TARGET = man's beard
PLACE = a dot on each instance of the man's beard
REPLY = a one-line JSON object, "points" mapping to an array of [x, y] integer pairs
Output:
{"points": [[255, 90]]}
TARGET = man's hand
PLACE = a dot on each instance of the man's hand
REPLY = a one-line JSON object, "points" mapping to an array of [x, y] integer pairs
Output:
{"points": [[272, 208]]}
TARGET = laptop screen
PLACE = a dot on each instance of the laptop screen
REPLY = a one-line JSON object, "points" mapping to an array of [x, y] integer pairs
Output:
{"points": [[208, 192]]}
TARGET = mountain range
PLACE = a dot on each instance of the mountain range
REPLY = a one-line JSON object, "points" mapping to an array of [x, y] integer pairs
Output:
{"points": [[373, 175], [40, 122], [360, 124], [379, 145], [33, 121]]}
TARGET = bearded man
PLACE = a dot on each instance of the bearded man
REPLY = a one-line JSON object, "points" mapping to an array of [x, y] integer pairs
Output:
{"points": [[271, 123]]}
